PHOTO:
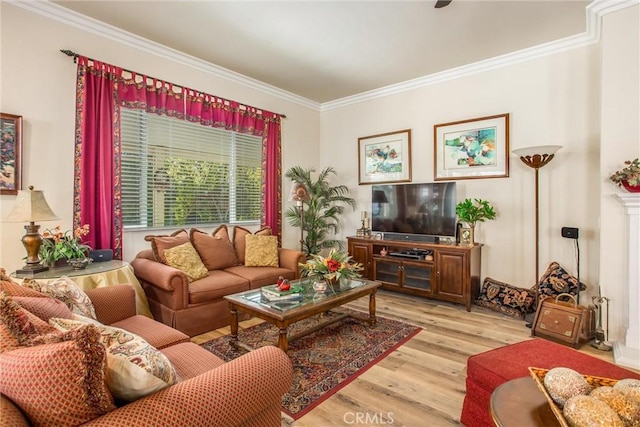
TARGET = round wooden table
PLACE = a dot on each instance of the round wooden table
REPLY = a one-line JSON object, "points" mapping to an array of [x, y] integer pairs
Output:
{"points": [[519, 403]]}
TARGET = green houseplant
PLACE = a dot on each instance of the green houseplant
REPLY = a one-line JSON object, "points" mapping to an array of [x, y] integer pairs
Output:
{"points": [[58, 245], [473, 211], [629, 176], [322, 210]]}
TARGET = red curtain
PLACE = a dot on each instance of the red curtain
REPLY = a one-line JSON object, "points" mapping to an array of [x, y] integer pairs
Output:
{"points": [[101, 90], [97, 191]]}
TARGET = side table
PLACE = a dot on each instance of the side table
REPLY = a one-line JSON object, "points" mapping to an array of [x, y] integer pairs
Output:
{"points": [[519, 403], [95, 275]]}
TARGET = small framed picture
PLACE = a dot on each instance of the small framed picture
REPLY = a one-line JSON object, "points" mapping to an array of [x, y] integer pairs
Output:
{"points": [[465, 237], [472, 149], [10, 153], [385, 158]]}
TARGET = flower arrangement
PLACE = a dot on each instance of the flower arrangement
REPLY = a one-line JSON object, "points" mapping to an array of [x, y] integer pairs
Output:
{"points": [[630, 174], [335, 266], [57, 245]]}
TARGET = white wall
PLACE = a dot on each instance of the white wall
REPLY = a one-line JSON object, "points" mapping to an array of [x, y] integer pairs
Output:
{"points": [[553, 100], [38, 83], [620, 141]]}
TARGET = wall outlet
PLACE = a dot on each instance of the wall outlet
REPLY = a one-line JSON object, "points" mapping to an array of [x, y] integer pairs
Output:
{"points": [[570, 232]]}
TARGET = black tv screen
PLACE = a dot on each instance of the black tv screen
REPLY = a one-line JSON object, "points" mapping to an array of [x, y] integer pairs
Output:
{"points": [[414, 209]]}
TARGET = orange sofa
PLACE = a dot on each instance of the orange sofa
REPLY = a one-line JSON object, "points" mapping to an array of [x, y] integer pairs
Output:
{"points": [[245, 391], [198, 306]]}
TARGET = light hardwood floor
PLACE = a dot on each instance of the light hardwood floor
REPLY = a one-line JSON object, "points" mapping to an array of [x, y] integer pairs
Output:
{"points": [[422, 383]]}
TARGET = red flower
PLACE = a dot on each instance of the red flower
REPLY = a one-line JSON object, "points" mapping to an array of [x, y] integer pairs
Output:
{"points": [[333, 265]]}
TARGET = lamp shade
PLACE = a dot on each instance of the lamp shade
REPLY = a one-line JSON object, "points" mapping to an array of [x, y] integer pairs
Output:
{"points": [[298, 193], [31, 206], [541, 149], [537, 157]]}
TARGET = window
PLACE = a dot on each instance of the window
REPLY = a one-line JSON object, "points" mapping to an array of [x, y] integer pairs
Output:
{"points": [[177, 173]]}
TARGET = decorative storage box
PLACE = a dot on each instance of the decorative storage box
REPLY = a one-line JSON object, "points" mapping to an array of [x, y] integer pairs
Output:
{"points": [[559, 321]]}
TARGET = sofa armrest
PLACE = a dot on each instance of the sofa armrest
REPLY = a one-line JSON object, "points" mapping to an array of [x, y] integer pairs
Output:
{"points": [[291, 259], [162, 283], [244, 391], [113, 303]]}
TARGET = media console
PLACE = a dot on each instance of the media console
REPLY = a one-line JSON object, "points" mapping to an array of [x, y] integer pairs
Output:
{"points": [[443, 272]]}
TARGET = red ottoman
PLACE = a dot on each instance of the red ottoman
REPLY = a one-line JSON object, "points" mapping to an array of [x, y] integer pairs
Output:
{"points": [[486, 371]]}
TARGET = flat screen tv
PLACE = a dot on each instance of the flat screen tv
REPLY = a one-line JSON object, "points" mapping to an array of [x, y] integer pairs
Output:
{"points": [[421, 212]]}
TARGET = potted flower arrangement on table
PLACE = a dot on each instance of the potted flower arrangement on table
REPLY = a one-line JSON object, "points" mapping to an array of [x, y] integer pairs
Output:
{"points": [[68, 245], [333, 268], [628, 177]]}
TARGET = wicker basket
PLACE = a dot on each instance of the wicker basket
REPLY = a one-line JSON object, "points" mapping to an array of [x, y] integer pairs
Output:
{"points": [[538, 375]]}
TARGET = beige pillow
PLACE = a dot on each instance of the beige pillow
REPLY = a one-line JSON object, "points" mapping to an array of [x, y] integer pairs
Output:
{"points": [[216, 251], [185, 258], [65, 290], [239, 239], [261, 251], [134, 367]]}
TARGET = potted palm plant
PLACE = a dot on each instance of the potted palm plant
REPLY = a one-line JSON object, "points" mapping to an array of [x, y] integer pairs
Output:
{"points": [[628, 177], [472, 211], [323, 207]]}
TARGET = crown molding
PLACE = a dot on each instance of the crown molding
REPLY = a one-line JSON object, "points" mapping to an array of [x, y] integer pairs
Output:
{"points": [[93, 26], [595, 11]]}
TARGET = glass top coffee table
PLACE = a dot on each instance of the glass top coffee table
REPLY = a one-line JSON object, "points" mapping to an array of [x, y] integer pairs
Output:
{"points": [[285, 312]]}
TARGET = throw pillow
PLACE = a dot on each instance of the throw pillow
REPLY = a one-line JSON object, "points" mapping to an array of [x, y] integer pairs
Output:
{"points": [[505, 298], [261, 251], [185, 258], [134, 368], [18, 325], [59, 382], [161, 243], [65, 290], [239, 239], [216, 251], [12, 288], [44, 308], [556, 280]]}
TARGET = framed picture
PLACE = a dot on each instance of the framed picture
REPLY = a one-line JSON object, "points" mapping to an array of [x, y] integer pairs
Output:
{"points": [[10, 154], [470, 149], [385, 158]]}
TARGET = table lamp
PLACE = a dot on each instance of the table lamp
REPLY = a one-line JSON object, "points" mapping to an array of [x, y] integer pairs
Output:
{"points": [[31, 206], [299, 194]]}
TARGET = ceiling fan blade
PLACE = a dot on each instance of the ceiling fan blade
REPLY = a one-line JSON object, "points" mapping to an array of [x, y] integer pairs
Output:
{"points": [[442, 3]]}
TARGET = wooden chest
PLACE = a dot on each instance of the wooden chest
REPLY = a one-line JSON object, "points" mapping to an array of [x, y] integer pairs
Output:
{"points": [[559, 321]]}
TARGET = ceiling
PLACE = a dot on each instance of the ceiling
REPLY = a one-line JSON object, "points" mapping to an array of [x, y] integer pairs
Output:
{"points": [[328, 50]]}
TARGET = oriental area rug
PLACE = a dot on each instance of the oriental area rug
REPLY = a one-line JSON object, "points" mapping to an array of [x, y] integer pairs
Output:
{"points": [[326, 360]]}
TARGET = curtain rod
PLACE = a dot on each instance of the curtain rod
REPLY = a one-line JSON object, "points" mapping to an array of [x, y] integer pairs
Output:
{"points": [[75, 60]]}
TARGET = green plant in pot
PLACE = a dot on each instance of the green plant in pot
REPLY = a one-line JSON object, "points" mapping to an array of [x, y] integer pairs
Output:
{"points": [[322, 209], [628, 177], [473, 211]]}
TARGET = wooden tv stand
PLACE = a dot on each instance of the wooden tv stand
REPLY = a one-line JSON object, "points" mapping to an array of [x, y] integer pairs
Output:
{"points": [[451, 273]]}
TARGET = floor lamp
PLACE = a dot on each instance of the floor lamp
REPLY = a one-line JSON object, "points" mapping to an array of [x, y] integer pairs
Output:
{"points": [[537, 157], [299, 194]]}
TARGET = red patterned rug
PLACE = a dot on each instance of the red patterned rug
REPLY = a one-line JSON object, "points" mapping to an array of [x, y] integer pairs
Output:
{"points": [[326, 360]]}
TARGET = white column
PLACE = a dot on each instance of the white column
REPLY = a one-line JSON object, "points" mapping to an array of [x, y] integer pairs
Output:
{"points": [[628, 352]]}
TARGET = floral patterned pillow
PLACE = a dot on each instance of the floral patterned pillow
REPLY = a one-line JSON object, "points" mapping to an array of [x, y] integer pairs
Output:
{"points": [[555, 281], [65, 290], [505, 298], [134, 367]]}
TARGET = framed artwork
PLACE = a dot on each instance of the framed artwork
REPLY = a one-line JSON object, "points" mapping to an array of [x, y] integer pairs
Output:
{"points": [[10, 154], [470, 149], [385, 158]]}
